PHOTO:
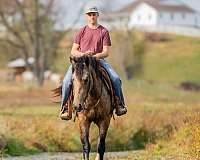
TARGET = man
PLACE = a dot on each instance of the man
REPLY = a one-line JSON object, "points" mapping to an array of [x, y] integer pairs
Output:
{"points": [[93, 39]]}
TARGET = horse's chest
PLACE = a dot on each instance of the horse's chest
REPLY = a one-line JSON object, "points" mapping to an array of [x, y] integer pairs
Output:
{"points": [[94, 114]]}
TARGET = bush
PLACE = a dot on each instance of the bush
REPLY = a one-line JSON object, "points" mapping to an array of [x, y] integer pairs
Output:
{"points": [[16, 147], [142, 137]]}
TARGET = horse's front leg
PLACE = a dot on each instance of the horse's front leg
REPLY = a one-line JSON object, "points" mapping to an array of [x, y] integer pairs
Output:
{"points": [[103, 128], [84, 126]]}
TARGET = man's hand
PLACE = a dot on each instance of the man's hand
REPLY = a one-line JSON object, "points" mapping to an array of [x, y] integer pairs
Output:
{"points": [[103, 54], [75, 51], [89, 53]]}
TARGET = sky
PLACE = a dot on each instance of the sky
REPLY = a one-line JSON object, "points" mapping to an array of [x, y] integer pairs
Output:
{"points": [[70, 9]]}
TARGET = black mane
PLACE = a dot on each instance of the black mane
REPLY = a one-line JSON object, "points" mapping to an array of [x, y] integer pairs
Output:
{"points": [[88, 61]]}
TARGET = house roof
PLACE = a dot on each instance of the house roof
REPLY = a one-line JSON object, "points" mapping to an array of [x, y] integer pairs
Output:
{"points": [[20, 62], [158, 6]]}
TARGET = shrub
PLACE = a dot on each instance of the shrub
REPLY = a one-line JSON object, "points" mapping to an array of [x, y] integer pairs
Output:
{"points": [[16, 147]]}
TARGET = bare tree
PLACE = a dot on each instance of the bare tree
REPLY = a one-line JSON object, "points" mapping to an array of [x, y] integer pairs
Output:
{"points": [[129, 51], [30, 26]]}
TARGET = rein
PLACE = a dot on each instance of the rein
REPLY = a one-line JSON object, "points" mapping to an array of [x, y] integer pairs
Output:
{"points": [[99, 97], [84, 104], [97, 100]]}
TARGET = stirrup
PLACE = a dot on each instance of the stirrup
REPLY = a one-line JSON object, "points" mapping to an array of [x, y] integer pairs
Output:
{"points": [[120, 110], [65, 116]]}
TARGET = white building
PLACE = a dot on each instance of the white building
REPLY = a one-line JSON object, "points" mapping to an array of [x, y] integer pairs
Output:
{"points": [[194, 4], [153, 13]]}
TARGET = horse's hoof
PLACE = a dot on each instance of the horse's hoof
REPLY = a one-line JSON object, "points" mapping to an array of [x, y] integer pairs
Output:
{"points": [[97, 157]]}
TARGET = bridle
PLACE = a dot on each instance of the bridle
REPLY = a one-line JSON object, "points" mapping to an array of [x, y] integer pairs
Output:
{"points": [[83, 106]]}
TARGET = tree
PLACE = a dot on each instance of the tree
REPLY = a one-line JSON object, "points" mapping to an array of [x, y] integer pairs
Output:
{"points": [[129, 48], [30, 26]]}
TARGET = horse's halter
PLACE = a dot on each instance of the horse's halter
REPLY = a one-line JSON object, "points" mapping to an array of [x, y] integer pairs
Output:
{"points": [[89, 89], [91, 86]]}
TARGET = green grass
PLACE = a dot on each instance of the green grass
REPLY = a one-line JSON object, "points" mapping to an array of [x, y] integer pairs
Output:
{"points": [[16, 148], [137, 91], [173, 61], [30, 111]]}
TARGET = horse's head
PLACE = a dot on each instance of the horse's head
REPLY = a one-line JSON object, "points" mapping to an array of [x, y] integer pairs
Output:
{"points": [[82, 79]]}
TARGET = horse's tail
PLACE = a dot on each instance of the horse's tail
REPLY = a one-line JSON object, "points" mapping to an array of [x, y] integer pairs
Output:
{"points": [[57, 91]]}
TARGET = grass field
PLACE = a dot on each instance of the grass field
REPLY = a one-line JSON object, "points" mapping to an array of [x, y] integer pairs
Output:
{"points": [[173, 61], [158, 123], [163, 120]]}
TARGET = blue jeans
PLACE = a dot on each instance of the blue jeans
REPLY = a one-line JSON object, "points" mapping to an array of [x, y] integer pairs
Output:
{"points": [[67, 83]]}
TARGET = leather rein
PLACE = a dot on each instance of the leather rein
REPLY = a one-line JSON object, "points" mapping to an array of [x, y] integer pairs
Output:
{"points": [[82, 108]]}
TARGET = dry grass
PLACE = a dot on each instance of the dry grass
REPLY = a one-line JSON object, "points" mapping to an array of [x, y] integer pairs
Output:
{"points": [[155, 124], [160, 128]]}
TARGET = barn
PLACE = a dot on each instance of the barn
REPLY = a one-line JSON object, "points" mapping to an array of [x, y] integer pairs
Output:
{"points": [[152, 13], [19, 66]]}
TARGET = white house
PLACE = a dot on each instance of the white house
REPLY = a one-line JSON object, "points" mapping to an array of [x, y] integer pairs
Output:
{"points": [[152, 13], [194, 4]]}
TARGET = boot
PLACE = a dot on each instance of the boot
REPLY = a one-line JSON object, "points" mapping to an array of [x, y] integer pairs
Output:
{"points": [[64, 114], [120, 110]]}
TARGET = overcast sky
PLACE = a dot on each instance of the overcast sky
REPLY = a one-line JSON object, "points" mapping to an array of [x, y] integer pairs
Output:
{"points": [[70, 9]]}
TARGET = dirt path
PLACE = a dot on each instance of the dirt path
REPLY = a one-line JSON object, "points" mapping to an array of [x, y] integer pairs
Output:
{"points": [[133, 155], [66, 156]]}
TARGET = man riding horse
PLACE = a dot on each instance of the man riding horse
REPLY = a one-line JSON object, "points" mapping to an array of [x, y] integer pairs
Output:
{"points": [[94, 40]]}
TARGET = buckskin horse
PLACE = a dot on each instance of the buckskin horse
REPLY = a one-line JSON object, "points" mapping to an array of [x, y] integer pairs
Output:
{"points": [[92, 101]]}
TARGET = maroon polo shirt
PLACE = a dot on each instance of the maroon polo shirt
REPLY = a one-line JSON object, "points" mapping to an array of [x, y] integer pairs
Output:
{"points": [[92, 39]]}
